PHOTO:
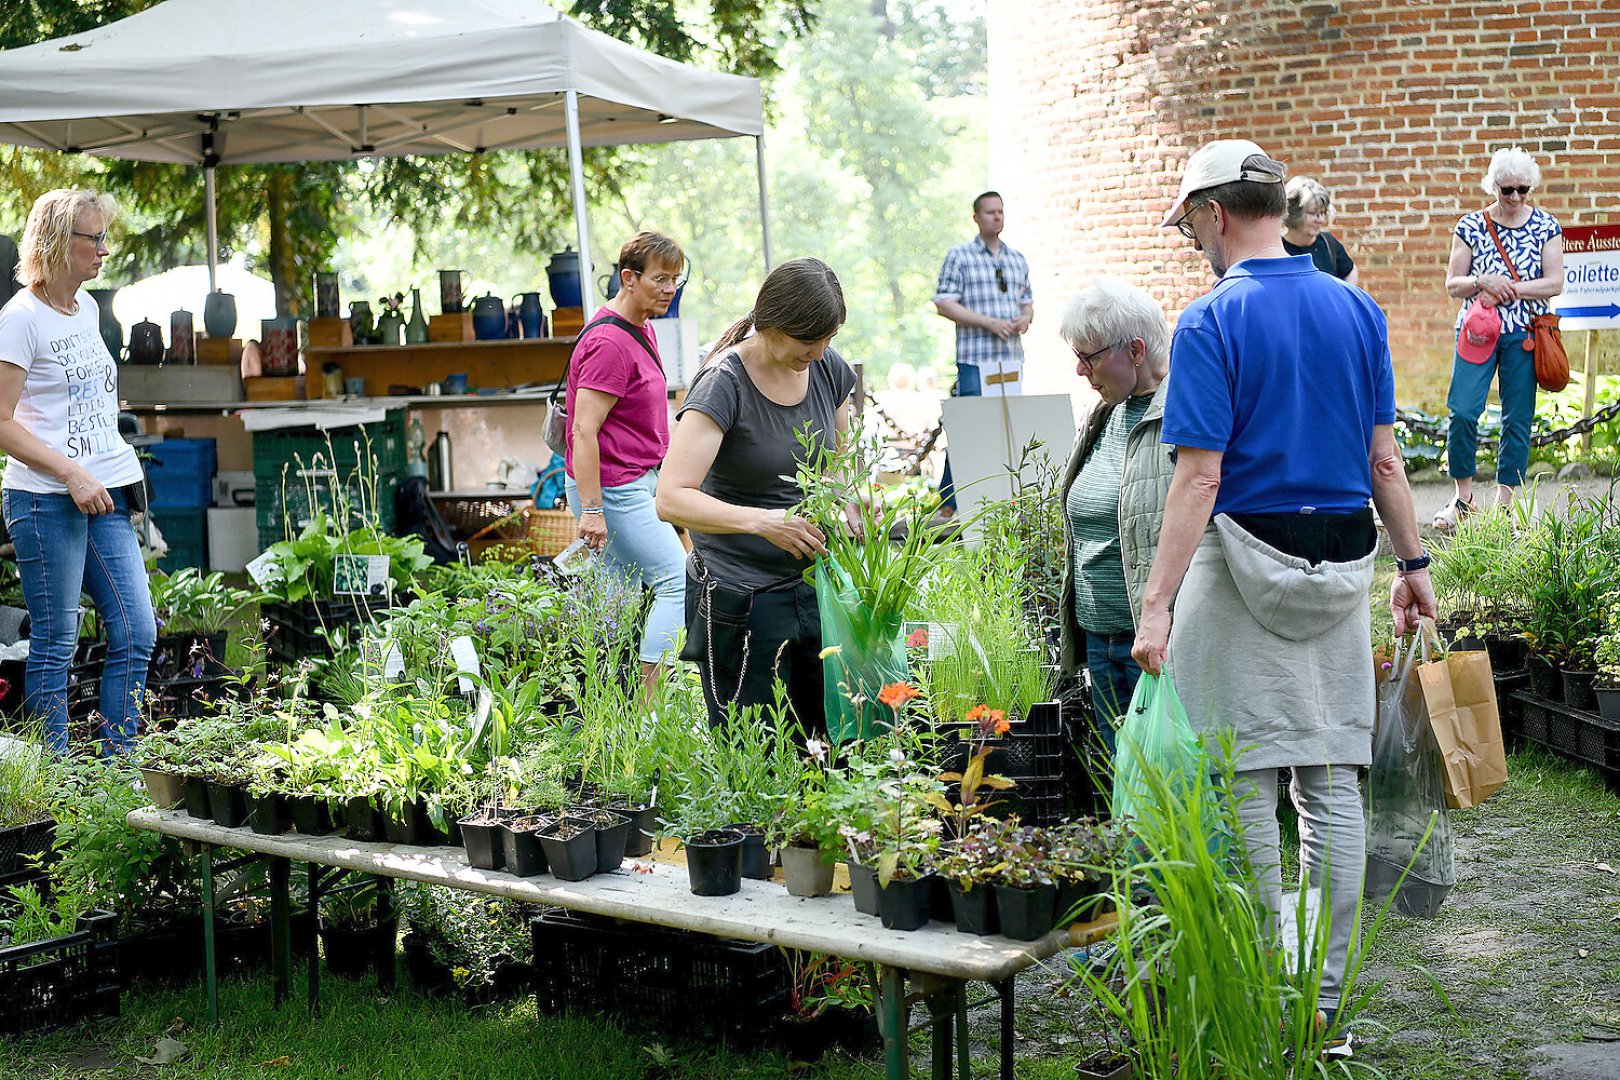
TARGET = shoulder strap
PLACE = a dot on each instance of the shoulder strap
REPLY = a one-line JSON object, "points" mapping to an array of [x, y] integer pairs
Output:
{"points": [[1491, 225], [608, 319]]}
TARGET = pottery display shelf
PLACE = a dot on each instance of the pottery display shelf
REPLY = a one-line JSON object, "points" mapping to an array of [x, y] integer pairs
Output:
{"points": [[507, 362], [937, 961]]}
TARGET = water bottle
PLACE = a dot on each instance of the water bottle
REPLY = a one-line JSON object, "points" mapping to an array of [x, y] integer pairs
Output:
{"points": [[416, 449], [441, 467]]}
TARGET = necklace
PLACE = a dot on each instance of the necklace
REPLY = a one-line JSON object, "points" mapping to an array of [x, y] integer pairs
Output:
{"points": [[54, 306]]}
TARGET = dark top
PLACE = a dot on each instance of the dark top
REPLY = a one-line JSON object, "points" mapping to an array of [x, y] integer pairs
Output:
{"points": [[9, 259], [758, 456], [1327, 253]]}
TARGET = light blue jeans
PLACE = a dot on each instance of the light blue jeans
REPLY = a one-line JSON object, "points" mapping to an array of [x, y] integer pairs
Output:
{"points": [[61, 553], [1470, 386], [644, 548]]}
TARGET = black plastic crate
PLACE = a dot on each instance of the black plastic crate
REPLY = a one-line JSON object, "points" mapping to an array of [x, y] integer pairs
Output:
{"points": [[1033, 747], [283, 509], [1576, 734], [20, 845], [1037, 800], [298, 631], [1508, 706], [703, 986], [63, 981]]}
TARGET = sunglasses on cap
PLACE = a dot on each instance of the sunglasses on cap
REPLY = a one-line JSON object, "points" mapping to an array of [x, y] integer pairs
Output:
{"points": [[1509, 189]]}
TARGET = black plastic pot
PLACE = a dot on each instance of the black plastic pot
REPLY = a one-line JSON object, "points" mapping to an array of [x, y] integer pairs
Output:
{"points": [[863, 887], [226, 805], [1112, 1067], [1608, 701], [1026, 914], [974, 909], [352, 951], [906, 904], [1507, 654], [941, 909], [399, 826], [520, 846], [612, 834], [361, 819], [714, 862], [643, 823], [194, 793], [1578, 692], [573, 859], [1081, 901], [428, 833], [486, 850], [1546, 681], [267, 814], [756, 859], [311, 814]]}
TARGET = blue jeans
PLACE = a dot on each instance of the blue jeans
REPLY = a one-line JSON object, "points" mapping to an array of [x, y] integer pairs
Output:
{"points": [[967, 385], [1113, 681], [1470, 386], [62, 553], [643, 548]]}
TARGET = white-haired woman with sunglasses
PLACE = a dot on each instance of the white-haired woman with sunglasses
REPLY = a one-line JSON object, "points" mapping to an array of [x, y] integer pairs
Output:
{"points": [[71, 481], [1113, 490], [1518, 287]]}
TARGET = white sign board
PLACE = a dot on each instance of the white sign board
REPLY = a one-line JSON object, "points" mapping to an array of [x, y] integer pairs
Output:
{"points": [[987, 436], [1591, 296]]}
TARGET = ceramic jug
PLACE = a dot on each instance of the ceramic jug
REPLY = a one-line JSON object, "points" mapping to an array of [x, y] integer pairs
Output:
{"points": [[360, 323], [562, 274], [219, 315], [146, 343], [489, 318], [390, 327], [531, 316]]}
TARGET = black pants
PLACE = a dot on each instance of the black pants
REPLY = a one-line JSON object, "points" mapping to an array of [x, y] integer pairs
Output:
{"points": [[749, 640]]}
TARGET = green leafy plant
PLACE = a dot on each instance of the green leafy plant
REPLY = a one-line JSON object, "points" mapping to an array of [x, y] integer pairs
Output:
{"points": [[27, 917], [28, 777], [189, 602]]}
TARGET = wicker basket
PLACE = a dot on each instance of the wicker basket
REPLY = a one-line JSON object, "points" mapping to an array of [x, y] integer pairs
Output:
{"points": [[544, 532]]}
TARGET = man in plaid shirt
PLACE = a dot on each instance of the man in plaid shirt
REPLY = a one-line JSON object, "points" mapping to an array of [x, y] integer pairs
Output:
{"points": [[984, 289]]}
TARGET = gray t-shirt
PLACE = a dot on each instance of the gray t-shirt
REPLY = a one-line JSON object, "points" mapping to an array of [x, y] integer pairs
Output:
{"points": [[758, 455]]}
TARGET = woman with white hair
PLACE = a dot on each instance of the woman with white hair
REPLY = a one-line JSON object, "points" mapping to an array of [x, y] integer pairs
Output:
{"points": [[1509, 258], [1305, 220], [1113, 489], [71, 481]]}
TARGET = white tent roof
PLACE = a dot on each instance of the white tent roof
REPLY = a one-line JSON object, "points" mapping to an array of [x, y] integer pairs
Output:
{"points": [[314, 80]]}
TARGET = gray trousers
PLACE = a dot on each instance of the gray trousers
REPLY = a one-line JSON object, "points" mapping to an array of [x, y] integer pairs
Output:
{"points": [[1332, 853]]}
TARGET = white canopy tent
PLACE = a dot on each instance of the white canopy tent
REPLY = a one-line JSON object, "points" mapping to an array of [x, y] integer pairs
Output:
{"points": [[213, 82]]}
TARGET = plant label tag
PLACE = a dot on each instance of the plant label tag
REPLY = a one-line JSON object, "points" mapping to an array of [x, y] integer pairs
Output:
{"points": [[264, 569], [466, 658], [393, 663], [933, 640], [359, 575], [573, 558]]}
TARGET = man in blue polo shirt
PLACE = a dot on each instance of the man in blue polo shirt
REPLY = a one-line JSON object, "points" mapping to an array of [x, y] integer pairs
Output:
{"points": [[1281, 405]]}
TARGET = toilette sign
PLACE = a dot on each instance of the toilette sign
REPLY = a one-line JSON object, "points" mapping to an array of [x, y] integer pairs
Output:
{"points": [[1591, 296]]}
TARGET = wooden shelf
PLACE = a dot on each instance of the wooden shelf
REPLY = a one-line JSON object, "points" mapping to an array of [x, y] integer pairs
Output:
{"points": [[508, 362], [430, 401]]}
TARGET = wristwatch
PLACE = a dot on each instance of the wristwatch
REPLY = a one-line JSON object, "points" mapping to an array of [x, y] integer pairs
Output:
{"points": [[1406, 566]]}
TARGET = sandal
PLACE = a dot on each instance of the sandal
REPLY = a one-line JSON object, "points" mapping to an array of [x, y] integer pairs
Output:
{"points": [[1447, 519]]}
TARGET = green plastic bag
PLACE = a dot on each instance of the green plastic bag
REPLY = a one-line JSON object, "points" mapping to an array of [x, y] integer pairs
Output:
{"points": [[861, 654], [1155, 734]]}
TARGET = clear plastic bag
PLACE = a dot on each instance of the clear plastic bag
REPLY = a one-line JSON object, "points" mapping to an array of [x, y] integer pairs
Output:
{"points": [[1156, 733], [1405, 789], [870, 655]]}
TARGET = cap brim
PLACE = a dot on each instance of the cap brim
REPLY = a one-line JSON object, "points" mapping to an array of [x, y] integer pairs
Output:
{"points": [[1174, 215]]}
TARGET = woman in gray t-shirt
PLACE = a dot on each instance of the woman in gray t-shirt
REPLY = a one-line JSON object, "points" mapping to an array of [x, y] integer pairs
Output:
{"points": [[728, 478]]}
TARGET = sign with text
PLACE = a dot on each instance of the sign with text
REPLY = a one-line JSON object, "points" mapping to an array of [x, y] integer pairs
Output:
{"points": [[1591, 296]]}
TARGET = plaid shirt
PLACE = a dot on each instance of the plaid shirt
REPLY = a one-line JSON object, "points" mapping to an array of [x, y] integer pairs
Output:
{"points": [[968, 276]]}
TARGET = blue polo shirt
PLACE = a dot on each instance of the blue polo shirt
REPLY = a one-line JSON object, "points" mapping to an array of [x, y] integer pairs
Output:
{"points": [[1286, 371]]}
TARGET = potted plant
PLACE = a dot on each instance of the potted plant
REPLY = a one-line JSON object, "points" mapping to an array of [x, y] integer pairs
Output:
{"points": [[542, 799], [804, 832], [352, 937], [1607, 657], [570, 846], [193, 610], [713, 852], [1026, 893], [612, 832], [29, 777], [1083, 857], [966, 862], [907, 839]]}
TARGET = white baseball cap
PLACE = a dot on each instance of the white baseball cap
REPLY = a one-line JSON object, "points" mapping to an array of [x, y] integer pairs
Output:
{"points": [[1224, 161]]}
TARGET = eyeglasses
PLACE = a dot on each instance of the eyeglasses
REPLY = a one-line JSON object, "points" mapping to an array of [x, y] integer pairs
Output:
{"points": [[97, 238], [1089, 361], [1509, 189], [1183, 223], [663, 281], [1001, 279]]}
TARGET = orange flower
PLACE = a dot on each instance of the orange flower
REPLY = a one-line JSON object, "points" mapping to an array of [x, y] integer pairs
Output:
{"points": [[897, 694], [1003, 725], [988, 720]]}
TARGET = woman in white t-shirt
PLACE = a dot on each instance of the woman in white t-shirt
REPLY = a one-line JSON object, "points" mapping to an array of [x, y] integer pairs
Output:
{"points": [[71, 481]]}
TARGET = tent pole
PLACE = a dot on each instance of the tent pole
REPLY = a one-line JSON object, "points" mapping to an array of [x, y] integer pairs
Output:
{"points": [[213, 227], [764, 206], [576, 176]]}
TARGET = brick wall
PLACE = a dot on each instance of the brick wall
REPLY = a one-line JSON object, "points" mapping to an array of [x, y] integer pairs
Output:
{"points": [[1395, 105]]}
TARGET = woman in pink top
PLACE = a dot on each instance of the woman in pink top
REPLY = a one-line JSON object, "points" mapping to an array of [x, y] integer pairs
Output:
{"points": [[618, 431]]}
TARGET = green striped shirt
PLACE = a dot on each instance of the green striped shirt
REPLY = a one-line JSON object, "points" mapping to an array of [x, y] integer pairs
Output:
{"points": [[1101, 603]]}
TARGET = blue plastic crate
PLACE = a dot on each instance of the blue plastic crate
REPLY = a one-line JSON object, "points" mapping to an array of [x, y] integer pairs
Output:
{"points": [[181, 472]]}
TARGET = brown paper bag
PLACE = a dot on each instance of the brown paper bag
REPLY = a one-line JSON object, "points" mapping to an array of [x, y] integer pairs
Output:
{"points": [[1461, 697]]}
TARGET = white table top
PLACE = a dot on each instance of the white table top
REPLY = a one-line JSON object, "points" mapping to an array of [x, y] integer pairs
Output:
{"points": [[762, 911]]}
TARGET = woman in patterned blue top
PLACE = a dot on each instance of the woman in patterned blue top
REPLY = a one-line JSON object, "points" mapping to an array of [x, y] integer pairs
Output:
{"points": [[1535, 243]]}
